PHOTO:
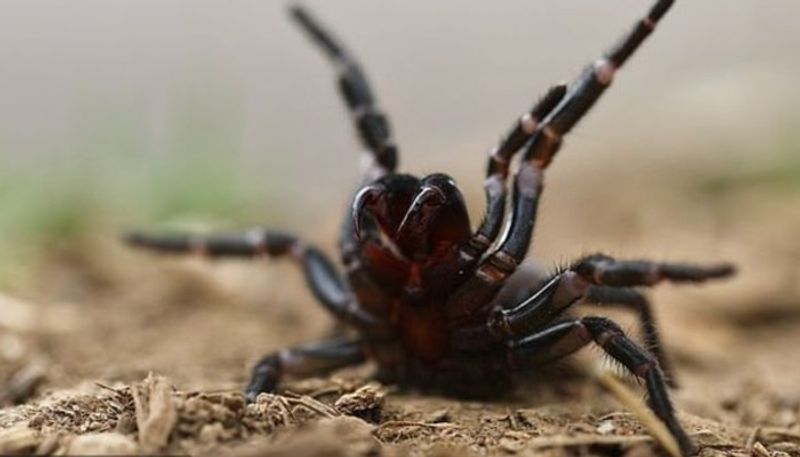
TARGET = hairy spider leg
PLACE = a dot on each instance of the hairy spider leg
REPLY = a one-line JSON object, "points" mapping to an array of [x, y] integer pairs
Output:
{"points": [[543, 145], [497, 174], [319, 272], [371, 123], [564, 338], [571, 285], [576, 283], [302, 361], [636, 302]]}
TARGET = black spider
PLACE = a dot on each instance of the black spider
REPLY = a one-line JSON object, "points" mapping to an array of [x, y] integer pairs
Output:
{"points": [[421, 288]]}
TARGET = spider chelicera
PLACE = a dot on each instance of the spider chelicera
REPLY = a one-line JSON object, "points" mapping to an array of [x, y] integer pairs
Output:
{"points": [[422, 290]]}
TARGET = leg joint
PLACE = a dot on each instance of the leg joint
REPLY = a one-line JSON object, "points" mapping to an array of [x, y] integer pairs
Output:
{"points": [[613, 340]]}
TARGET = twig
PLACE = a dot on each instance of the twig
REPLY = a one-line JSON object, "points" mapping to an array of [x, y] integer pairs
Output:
{"points": [[631, 401], [771, 434], [614, 415], [563, 441], [109, 388], [314, 405], [512, 420], [751, 439], [390, 424], [325, 391]]}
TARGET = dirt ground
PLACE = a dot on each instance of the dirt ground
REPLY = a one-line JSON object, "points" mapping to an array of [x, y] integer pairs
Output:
{"points": [[110, 351]]}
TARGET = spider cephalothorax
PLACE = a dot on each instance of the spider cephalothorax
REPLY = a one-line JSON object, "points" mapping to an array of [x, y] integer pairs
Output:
{"points": [[428, 298], [411, 231], [422, 217]]}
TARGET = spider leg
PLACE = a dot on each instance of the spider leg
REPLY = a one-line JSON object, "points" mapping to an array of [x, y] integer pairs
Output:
{"points": [[571, 285], [301, 361], [635, 301], [602, 270], [540, 150], [575, 283], [612, 279], [371, 124], [562, 339], [255, 243], [497, 173], [320, 274], [590, 85]]}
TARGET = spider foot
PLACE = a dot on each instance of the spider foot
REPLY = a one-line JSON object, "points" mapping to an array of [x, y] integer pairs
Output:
{"points": [[264, 378]]}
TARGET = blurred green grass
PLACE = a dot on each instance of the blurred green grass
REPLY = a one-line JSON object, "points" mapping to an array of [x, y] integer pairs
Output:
{"points": [[109, 179], [774, 168], [781, 178], [61, 210]]}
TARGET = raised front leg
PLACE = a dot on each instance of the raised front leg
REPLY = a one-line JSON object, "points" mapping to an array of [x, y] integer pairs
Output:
{"points": [[371, 124], [591, 84], [497, 174], [319, 272], [302, 361], [541, 149]]}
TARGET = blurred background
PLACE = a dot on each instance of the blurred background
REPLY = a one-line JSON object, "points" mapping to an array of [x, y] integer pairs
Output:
{"points": [[139, 112], [209, 115]]}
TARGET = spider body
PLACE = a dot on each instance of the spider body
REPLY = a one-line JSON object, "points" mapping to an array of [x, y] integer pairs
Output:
{"points": [[438, 304]]}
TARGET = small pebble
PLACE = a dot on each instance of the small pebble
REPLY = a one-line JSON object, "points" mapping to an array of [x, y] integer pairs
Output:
{"points": [[606, 428]]}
